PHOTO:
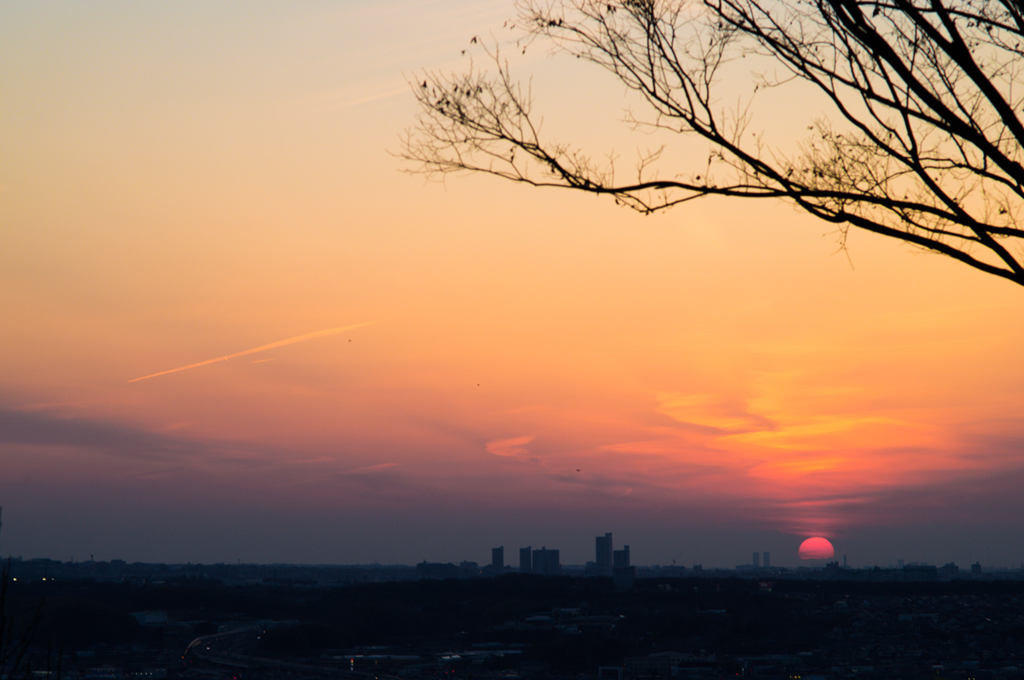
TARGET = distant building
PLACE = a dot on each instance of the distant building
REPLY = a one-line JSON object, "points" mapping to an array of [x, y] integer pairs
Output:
{"points": [[604, 554], [756, 560], [498, 559], [768, 559], [622, 573], [437, 570], [976, 568], [546, 562], [525, 560], [920, 572]]}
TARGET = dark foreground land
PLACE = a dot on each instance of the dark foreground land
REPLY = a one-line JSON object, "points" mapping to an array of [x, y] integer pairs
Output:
{"points": [[520, 627]]}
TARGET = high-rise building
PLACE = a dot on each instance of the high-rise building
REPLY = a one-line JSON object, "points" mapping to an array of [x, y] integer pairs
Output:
{"points": [[525, 560], [546, 562], [498, 559], [604, 554], [756, 560], [767, 559], [620, 558]]}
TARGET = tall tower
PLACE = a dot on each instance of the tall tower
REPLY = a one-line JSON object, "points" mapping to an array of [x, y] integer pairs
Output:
{"points": [[604, 554], [767, 559], [620, 558], [525, 560], [498, 559], [546, 562], [757, 560]]}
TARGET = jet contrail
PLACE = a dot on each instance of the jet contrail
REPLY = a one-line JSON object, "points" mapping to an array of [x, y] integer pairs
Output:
{"points": [[262, 348]]}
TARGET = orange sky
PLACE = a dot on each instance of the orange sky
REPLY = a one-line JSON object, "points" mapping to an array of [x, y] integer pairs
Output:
{"points": [[181, 183]]}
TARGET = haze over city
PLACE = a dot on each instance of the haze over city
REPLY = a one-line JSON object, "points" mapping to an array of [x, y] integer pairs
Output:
{"points": [[234, 329]]}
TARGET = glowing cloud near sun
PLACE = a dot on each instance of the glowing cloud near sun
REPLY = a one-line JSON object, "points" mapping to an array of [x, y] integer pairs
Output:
{"points": [[816, 548]]}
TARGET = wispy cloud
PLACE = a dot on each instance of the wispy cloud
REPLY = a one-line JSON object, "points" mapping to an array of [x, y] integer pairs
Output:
{"points": [[56, 430], [511, 448], [366, 469], [154, 473], [262, 348], [714, 413]]}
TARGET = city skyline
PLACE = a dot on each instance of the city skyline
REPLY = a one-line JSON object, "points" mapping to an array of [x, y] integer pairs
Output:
{"points": [[584, 569], [237, 328], [547, 561]]}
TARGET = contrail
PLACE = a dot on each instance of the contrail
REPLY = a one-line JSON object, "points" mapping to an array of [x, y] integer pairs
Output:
{"points": [[262, 348]]}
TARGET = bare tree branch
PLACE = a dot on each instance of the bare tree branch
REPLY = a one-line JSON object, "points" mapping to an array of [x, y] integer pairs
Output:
{"points": [[925, 143]]}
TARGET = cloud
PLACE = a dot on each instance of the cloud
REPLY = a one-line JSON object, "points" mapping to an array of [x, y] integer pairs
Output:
{"points": [[367, 469], [511, 448], [50, 429], [713, 414], [598, 484], [261, 348], [153, 473]]}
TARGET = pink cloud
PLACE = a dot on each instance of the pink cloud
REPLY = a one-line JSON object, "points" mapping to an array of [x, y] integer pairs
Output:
{"points": [[511, 448]]}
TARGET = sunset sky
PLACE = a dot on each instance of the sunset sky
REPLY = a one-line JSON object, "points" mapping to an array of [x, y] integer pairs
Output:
{"points": [[380, 367]]}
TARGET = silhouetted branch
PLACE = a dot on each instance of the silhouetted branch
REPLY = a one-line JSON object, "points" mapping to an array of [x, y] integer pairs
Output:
{"points": [[924, 145]]}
